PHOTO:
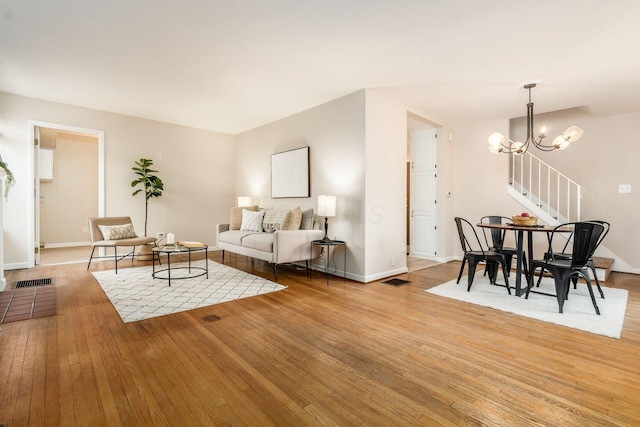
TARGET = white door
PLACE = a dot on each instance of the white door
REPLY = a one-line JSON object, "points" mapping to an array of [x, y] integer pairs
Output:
{"points": [[423, 194], [36, 193]]}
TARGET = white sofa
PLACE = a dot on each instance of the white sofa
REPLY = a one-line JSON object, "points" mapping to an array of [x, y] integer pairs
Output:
{"points": [[277, 247]]}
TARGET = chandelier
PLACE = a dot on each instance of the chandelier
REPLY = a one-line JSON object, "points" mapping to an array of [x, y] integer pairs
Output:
{"points": [[497, 140]]}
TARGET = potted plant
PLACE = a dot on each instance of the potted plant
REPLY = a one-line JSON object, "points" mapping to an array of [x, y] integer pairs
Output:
{"points": [[152, 186], [9, 179]]}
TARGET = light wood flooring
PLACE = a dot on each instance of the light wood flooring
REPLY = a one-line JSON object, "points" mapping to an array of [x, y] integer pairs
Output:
{"points": [[314, 354]]}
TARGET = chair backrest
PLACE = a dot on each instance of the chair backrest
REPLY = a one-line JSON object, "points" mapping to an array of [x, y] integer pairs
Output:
{"points": [[606, 226], [465, 231], [94, 231], [586, 238], [587, 235], [497, 235]]}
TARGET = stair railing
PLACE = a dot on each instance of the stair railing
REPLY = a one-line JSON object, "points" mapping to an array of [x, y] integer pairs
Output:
{"points": [[552, 192]]}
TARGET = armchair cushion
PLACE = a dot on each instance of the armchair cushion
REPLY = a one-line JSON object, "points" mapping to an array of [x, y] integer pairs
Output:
{"points": [[117, 232]]}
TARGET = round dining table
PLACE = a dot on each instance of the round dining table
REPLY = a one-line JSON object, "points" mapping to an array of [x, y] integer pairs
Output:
{"points": [[520, 232]]}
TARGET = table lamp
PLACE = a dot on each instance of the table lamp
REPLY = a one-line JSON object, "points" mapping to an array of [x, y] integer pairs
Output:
{"points": [[326, 208], [244, 201]]}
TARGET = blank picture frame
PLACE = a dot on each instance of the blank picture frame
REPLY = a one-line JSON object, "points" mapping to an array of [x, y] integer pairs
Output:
{"points": [[290, 175]]}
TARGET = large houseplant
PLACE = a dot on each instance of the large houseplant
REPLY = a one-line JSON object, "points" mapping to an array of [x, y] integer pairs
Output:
{"points": [[152, 186], [9, 179]]}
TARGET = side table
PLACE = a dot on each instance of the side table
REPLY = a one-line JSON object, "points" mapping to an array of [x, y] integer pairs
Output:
{"points": [[328, 244]]}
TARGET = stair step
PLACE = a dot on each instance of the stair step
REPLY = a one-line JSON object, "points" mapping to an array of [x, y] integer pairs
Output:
{"points": [[604, 263], [603, 267]]}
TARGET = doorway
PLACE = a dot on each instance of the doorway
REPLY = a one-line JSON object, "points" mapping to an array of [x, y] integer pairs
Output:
{"points": [[68, 188]]}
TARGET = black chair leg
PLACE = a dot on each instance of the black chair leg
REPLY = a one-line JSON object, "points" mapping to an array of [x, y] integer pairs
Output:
{"points": [[91, 257], [492, 271], [472, 272], [595, 277], [562, 279], [505, 273], [115, 257], [223, 256], [464, 260], [275, 271], [593, 298]]}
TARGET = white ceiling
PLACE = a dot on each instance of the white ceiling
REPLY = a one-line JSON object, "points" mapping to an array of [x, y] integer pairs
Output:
{"points": [[231, 66]]}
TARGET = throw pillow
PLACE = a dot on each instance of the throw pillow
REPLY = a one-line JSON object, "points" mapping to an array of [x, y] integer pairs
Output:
{"points": [[292, 220], [307, 220], [251, 221], [273, 219], [236, 216], [117, 232]]}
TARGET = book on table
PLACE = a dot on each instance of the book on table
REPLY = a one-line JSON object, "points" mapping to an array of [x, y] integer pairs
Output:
{"points": [[190, 244]]}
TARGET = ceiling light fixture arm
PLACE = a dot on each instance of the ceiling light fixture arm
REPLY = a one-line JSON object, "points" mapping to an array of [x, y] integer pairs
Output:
{"points": [[497, 140]]}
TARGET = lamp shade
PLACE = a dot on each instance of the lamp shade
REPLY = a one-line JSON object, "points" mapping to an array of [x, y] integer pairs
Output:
{"points": [[561, 142], [326, 205], [244, 201], [573, 133], [496, 141]]}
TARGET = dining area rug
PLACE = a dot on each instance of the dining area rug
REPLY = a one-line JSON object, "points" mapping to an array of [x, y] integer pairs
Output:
{"points": [[136, 295], [578, 309]]}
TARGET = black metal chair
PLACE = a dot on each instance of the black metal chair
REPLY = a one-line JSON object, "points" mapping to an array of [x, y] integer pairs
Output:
{"points": [[587, 235], [474, 253], [567, 255], [497, 241]]}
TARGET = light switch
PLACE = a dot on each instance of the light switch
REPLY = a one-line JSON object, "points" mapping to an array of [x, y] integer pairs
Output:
{"points": [[624, 188]]}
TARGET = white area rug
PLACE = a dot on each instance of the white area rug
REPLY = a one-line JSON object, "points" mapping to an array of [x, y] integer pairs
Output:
{"points": [[137, 296], [578, 309]]}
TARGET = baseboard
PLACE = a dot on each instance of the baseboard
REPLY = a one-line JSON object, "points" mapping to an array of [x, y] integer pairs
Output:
{"points": [[385, 274], [65, 245], [16, 266]]}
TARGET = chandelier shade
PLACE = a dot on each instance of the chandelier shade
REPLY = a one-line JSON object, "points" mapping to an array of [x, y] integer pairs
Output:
{"points": [[499, 144]]}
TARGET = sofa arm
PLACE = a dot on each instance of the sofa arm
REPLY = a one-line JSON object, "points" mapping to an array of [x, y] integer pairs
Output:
{"points": [[295, 245], [221, 228]]}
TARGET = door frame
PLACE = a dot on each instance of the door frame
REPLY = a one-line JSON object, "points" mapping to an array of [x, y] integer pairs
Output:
{"points": [[33, 174]]}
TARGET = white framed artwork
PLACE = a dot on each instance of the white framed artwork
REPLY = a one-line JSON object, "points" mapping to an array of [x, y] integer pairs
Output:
{"points": [[290, 175]]}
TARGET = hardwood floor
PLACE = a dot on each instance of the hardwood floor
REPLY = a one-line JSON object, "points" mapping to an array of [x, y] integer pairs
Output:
{"points": [[342, 354]]}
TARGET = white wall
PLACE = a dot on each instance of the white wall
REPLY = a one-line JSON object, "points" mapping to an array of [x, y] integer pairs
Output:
{"points": [[481, 177], [335, 133], [198, 168], [385, 187]]}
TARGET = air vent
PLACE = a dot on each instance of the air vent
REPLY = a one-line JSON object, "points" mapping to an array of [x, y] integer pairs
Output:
{"points": [[34, 282], [396, 282]]}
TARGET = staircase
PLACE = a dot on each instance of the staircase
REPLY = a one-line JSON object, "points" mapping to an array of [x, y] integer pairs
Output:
{"points": [[550, 195]]}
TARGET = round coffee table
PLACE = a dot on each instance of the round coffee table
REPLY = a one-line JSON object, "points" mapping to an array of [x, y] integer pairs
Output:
{"points": [[177, 249]]}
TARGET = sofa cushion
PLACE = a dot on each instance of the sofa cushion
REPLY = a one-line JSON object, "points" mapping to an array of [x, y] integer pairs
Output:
{"points": [[292, 219], [273, 219], [307, 220], [258, 241], [234, 237], [251, 221], [235, 221]]}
